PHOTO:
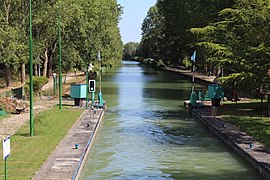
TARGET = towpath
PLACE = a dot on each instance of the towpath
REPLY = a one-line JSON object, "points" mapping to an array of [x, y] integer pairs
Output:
{"points": [[67, 159], [11, 124]]}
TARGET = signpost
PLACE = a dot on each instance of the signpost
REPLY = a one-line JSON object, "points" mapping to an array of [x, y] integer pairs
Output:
{"points": [[92, 85], [89, 68], [6, 152]]}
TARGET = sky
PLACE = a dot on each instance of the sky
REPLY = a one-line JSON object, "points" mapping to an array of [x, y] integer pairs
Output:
{"points": [[131, 20]]}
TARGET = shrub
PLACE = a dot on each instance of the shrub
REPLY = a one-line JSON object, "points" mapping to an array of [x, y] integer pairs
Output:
{"points": [[38, 82]]}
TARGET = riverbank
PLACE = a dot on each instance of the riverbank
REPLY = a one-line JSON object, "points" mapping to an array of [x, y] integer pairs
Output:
{"points": [[29, 153], [249, 148], [199, 77], [67, 160]]}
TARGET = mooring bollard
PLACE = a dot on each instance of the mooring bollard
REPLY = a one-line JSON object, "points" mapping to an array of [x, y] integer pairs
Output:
{"points": [[213, 112]]}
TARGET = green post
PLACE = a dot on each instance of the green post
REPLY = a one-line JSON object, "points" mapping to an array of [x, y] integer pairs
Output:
{"points": [[5, 168], [93, 98], [31, 70], [60, 62], [54, 85], [87, 87]]}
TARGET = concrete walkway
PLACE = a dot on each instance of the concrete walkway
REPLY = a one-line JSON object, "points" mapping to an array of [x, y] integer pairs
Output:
{"points": [[66, 161], [198, 76], [257, 154]]}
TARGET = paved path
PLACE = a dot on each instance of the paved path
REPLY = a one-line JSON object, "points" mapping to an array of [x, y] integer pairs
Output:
{"points": [[256, 153], [197, 75], [66, 161]]}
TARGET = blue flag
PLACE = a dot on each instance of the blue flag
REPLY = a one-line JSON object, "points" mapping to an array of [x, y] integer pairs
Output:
{"points": [[193, 57]]}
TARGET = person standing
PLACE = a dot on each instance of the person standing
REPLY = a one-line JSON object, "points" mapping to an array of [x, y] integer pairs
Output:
{"points": [[75, 71]]}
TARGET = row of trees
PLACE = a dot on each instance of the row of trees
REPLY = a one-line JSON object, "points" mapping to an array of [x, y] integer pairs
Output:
{"points": [[228, 34], [88, 26]]}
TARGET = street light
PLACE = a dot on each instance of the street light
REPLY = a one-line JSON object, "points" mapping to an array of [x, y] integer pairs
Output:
{"points": [[60, 60], [99, 59], [31, 69], [87, 86]]}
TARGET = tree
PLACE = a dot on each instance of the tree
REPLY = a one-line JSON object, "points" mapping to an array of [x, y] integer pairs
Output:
{"points": [[152, 35], [239, 41], [88, 26], [12, 44], [130, 50]]}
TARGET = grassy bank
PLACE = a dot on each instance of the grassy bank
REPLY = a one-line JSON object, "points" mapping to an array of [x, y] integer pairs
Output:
{"points": [[247, 116], [29, 153]]}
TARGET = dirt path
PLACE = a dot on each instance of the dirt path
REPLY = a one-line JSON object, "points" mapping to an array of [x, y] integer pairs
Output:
{"points": [[65, 79], [14, 122]]}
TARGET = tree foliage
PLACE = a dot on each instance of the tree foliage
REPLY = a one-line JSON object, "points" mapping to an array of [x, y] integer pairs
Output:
{"points": [[130, 50], [228, 34], [238, 41], [88, 26]]}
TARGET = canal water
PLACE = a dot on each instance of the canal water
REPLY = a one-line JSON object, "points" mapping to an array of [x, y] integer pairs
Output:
{"points": [[147, 133]]}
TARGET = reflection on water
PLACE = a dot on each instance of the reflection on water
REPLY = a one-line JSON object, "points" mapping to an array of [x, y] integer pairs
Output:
{"points": [[146, 133]]}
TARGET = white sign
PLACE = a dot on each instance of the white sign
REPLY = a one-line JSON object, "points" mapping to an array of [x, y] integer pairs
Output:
{"points": [[6, 147]]}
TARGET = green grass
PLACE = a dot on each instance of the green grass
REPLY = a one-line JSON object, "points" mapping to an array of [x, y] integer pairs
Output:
{"points": [[4, 116], [29, 153], [247, 116]]}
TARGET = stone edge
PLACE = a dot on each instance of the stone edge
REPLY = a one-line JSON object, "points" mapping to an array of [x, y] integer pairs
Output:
{"points": [[86, 151], [262, 171]]}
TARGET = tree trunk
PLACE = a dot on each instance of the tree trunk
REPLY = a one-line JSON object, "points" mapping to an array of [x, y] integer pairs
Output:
{"points": [[23, 74], [50, 57], [45, 62], [8, 76], [50, 63], [36, 69]]}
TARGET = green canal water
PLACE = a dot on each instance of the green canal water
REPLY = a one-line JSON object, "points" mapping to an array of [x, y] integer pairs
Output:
{"points": [[147, 133]]}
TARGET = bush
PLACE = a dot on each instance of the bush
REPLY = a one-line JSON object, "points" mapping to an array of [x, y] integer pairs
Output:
{"points": [[38, 82]]}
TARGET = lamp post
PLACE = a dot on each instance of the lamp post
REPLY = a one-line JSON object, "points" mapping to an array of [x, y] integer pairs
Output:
{"points": [[31, 69], [60, 61], [87, 86], [99, 59]]}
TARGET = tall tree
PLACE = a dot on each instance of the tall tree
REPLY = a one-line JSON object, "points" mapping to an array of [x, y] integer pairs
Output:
{"points": [[238, 41], [152, 35], [12, 47]]}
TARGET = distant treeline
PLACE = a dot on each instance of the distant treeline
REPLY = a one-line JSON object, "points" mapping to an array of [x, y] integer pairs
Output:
{"points": [[88, 26]]}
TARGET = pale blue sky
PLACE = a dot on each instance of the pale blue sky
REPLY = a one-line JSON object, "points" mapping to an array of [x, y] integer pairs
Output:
{"points": [[134, 13]]}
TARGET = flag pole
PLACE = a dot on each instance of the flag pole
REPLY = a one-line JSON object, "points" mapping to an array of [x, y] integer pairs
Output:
{"points": [[193, 77], [193, 59]]}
